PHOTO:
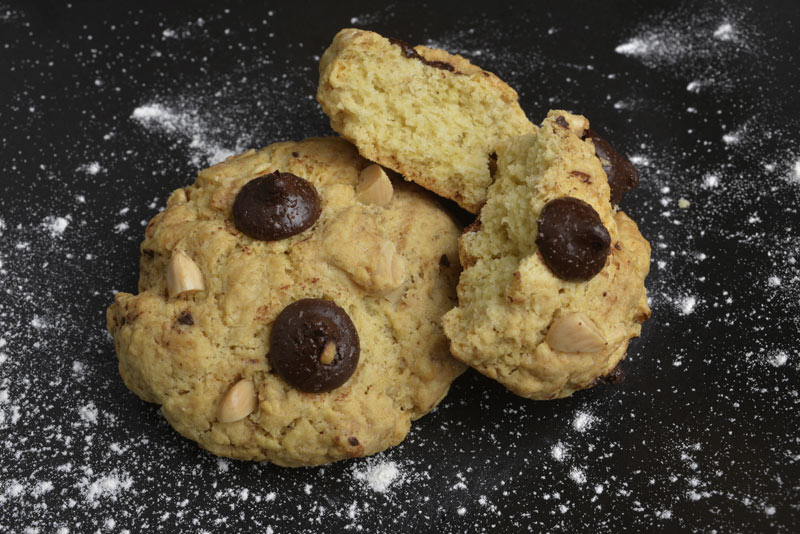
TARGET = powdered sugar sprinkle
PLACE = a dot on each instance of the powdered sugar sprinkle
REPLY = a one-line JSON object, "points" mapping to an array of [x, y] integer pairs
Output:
{"points": [[186, 122], [379, 476]]}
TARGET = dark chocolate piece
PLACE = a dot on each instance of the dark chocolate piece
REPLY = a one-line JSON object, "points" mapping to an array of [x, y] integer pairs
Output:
{"points": [[276, 206], [410, 53], [622, 175], [572, 239], [186, 318], [299, 336]]}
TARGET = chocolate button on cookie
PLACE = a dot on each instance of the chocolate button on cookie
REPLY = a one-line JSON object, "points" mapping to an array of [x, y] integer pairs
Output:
{"points": [[276, 206], [314, 345], [622, 175], [572, 239]]}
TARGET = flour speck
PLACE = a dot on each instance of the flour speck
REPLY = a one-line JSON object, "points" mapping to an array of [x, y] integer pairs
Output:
{"points": [[55, 225], [92, 168], [379, 476], [583, 421], [724, 32]]}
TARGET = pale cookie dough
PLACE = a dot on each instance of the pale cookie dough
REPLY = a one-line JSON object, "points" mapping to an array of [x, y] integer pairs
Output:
{"points": [[433, 117], [539, 335], [195, 339]]}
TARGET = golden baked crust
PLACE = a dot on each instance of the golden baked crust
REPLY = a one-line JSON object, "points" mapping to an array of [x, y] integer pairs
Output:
{"points": [[509, 298], [405, 368], [436, 127]]}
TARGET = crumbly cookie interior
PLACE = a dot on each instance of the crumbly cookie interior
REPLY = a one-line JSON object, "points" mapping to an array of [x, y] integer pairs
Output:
{"points": [[508, 298], [437, 127]]}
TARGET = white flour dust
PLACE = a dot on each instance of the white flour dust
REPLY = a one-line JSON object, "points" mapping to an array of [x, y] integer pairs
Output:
{"points": [[379, 476], [186, 123], [671, 40]]}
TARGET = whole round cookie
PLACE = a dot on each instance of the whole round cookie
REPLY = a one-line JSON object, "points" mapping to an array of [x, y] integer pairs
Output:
{"points": [[553, 281], [434, 117], [316, 339]]}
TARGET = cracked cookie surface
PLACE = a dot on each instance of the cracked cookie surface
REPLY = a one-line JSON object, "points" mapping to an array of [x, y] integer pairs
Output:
{"points": [[433, 117], [202, 354], [540, 335]]}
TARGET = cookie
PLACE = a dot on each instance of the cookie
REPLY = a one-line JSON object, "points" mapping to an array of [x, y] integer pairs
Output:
{"points": [[553, 281], [289, 306], [431, 116]]}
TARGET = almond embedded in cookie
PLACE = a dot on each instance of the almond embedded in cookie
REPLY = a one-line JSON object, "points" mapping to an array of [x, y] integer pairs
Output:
{"points": [[431, 116], [553, 281]]}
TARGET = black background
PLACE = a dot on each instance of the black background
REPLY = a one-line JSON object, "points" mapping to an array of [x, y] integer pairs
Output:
{"points": [[703, 434]]}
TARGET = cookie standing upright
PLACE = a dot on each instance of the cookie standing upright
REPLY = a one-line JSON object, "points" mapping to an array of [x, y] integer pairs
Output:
{"points": [[431, 116], [553, 281], [317, 339]]}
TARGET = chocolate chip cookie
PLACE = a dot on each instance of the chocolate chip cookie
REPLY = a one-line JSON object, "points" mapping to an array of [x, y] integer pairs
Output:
{"points": [[431, 116], [290, 304], [553, 281]]}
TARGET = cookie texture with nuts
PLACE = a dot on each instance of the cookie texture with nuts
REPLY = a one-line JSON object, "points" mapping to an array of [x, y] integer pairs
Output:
{"points": [[546, 325], [431, 116], [196, 339]]}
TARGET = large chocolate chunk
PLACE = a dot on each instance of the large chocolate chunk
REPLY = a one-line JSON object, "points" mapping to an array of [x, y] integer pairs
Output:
{"points": [[622, 175], [314, 345], [276, 206], [572, 239]]}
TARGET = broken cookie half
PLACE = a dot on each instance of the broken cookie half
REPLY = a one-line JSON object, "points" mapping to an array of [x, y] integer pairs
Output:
{"points": [[553, 282], [431, 116]]}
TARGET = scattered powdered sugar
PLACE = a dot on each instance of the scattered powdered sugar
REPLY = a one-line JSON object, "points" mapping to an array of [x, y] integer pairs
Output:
{"points": [[671, 40], [637, 46], [7, 14], [88, 413], [187, 123], [108, 486], [686, 304], [583, 421], [56, 225], [731, 138], [92, 168], [725, 32], [710, 180], [706, 44], [558, 452], [778, 359], [379, 476], [577, 475]]}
